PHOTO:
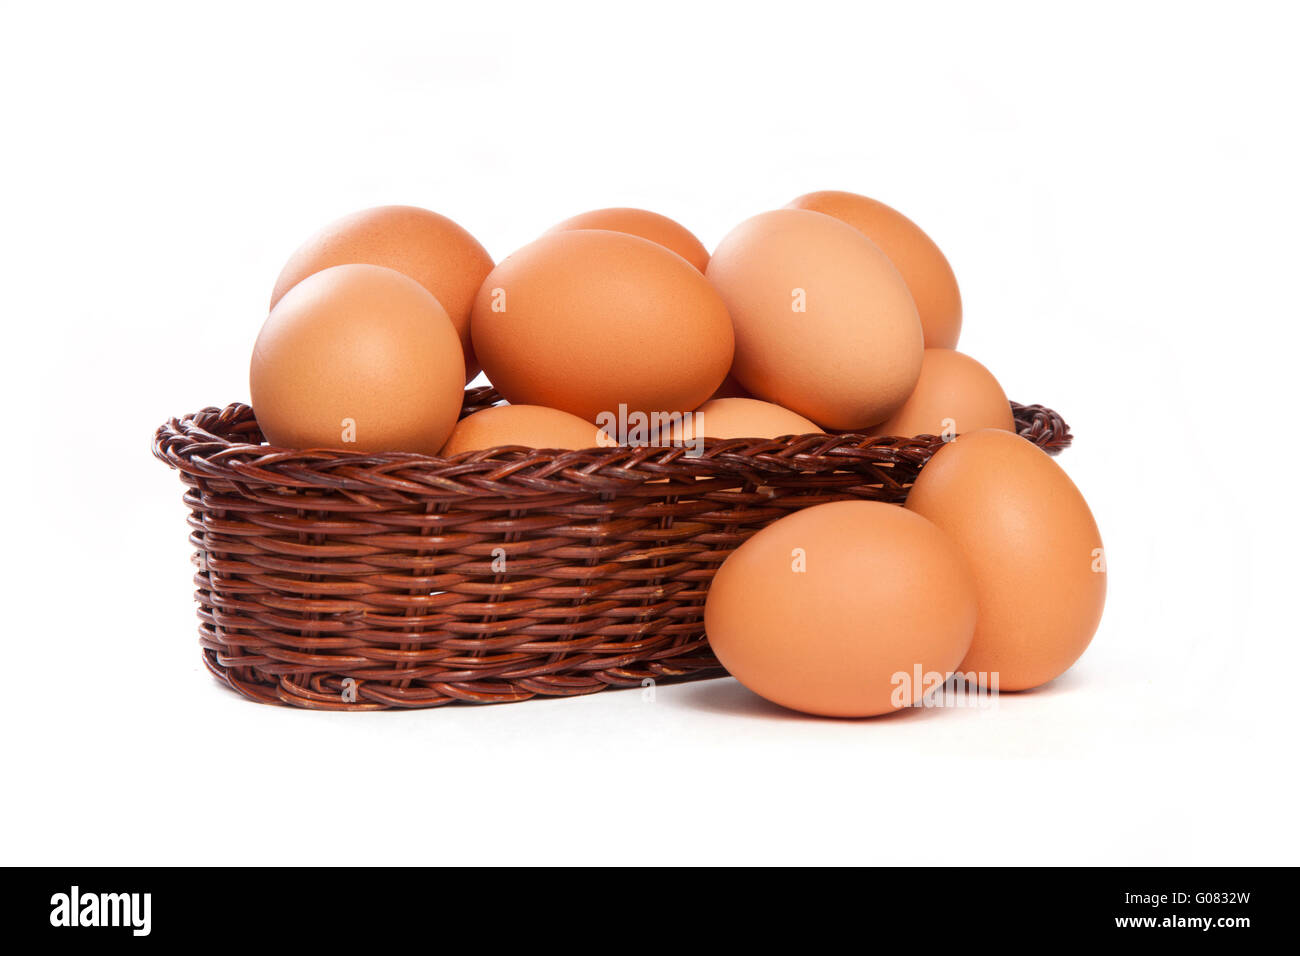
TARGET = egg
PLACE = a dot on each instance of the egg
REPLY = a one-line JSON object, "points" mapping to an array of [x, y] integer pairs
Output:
{"points": [[532, 426], [424, 245], [824, 323], [588, 320], [922, 264], [955, 394], [1032, 546], [834, 609], [648, 225], [739, 418], [360, 358]]}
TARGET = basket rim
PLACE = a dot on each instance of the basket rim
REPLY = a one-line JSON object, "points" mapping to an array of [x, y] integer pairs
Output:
{"points": [[206, 445]]}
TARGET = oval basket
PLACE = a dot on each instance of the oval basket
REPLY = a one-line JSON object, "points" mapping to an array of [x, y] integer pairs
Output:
{"points": [[344, 581]]}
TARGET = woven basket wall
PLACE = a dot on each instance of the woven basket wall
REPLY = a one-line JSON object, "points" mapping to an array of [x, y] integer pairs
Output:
{"points": [[343, 581]]}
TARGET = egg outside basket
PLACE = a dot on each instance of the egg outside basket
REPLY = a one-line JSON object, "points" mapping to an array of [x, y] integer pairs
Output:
{"points": [[344, 581]]}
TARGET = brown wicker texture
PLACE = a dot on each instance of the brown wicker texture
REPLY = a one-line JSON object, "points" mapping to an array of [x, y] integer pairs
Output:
{"points": [[344, 581]]}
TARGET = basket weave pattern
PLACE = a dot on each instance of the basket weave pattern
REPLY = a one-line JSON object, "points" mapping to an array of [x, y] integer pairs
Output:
{"points": [[343, 581]]}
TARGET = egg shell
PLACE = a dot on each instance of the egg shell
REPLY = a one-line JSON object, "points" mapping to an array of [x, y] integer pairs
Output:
{"points": [[824, 323], [586, 320], [955, 394], [428, 247], [646, 224], [882, 593], [532, 426], [924, 267], [357, 344], [740, 418], [1033, 547]]}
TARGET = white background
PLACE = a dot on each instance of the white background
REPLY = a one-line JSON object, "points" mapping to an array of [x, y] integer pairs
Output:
{"points": [[1115, 186]]}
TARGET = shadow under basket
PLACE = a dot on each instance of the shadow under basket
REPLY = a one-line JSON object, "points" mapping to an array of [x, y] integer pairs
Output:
{"points": [[345, 581]]}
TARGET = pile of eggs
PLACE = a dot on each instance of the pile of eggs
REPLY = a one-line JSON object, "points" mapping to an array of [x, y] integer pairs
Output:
{"points": [[617, 326]]}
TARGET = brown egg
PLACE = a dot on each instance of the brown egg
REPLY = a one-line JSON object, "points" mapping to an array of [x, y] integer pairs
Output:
{"points": [[532, 426], [955, 394], [832, 610], [647, 225], [739, 418], [1033, 547], [824, 324], [431, 249], [922, 264], [586, 320], [361, 358]]}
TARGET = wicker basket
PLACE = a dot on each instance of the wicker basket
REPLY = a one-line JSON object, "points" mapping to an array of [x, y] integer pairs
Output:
{"points": [[345, 581]]}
